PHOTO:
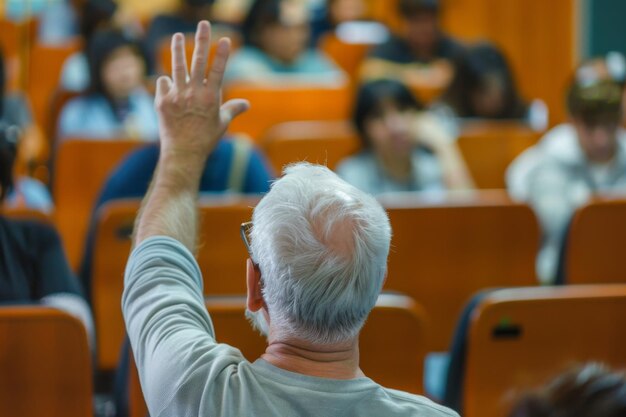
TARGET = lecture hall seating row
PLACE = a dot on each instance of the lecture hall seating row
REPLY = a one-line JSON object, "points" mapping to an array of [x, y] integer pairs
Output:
{"points": [[81, 167], [517, 338], [530, 31], [442, 252]]}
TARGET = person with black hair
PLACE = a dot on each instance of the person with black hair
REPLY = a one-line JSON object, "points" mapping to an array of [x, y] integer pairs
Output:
{"points": [[421, 54], [276, 46], [94, 16], [117, 104], [483, 86], [405, 148], [15, 118], [592, 390], [573, 161], [33, 267], [14, 108]]}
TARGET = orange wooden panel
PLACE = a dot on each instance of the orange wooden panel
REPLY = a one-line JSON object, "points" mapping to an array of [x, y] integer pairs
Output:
{"points": [[221, 256], [489, 147], [46, 64], [45, 364], [273, 103], [595, 244], [444, 251], [15, 41], [521, 338], [58, 101], [391, 345], [80, 169], [322, 142], [385, 11]]}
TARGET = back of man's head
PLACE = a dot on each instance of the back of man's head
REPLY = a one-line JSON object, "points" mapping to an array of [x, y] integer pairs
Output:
{"points": [[321, 246]]}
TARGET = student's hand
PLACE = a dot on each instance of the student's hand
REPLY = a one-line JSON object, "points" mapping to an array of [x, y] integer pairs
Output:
{"points": [[192, 117], [430, 133]]}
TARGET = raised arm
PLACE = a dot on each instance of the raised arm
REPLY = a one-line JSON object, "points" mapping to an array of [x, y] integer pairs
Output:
{"points": [[192, 119]]}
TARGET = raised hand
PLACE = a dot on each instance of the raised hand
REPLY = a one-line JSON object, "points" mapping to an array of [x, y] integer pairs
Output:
{"points": [[192, 117], [429, 132]]}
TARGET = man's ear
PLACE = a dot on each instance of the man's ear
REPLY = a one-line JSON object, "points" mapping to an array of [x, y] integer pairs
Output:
{"points": [[255, 300]]}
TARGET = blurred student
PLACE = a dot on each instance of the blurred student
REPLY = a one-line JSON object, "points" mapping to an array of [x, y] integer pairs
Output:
{"points": [[33, 267], [587, 391], [276, 46], [421, 55], [483, 87], [404, 147], [572, 162], [16, 118], [14, 108], [117, 104]]}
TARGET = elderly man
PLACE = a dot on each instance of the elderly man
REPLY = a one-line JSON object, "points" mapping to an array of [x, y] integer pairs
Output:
{"points": [[318, 261]]}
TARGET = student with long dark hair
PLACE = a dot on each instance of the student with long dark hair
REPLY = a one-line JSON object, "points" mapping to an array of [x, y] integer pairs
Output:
{"points": [[15, 121], [587, 391], [404, 147], [117, 104], [483, 86]]}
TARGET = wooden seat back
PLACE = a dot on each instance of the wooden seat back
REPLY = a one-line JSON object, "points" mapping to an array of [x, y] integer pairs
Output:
{"points": [[444, 251], [520, 338], [320, 142], [45, 363]]}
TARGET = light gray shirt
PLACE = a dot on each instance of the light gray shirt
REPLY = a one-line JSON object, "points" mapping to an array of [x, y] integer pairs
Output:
{"points": [[185, 372], [365, 173]]}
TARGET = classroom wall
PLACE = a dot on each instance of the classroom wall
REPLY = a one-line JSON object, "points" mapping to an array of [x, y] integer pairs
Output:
{"points": [[605, 27]]}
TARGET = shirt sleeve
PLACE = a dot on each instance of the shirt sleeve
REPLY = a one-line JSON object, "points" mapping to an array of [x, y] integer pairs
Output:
{"points": [[169, 328]]}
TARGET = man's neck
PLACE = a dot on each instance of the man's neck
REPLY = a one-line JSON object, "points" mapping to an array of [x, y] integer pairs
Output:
{"points": [[340, 361]]}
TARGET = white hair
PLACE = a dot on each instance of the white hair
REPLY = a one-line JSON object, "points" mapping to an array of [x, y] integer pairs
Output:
{"points": [[321, 246]]}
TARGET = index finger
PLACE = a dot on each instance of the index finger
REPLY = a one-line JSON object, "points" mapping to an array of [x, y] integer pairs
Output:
{"points": [[200, 52]]}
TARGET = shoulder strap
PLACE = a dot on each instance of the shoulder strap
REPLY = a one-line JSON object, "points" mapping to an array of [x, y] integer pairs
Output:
{"points": [[239, 163]]}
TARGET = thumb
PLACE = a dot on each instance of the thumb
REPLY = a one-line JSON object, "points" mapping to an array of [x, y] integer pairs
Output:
{"points": [[232, 109]]}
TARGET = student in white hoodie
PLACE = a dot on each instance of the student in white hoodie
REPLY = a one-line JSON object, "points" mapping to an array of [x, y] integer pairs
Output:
{"points": [[573, 161]]}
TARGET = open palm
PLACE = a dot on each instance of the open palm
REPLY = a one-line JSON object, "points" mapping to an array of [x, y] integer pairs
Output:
{"points": [[192, 117]]}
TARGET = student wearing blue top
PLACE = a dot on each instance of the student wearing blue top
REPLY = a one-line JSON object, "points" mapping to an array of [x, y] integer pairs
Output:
{"points": [[117, 104], [233, 166], [276, 39]]}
